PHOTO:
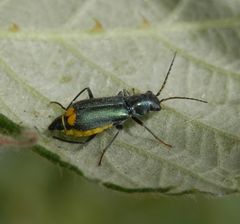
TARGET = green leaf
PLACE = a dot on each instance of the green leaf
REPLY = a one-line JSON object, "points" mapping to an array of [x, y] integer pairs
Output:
{"points": [[49, 51]]}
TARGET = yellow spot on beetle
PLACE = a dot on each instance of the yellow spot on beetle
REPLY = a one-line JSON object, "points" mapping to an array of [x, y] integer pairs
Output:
{"points": [[80, 133], [71, 116]]}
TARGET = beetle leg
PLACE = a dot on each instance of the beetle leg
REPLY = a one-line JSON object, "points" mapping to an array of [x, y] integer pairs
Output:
{"points": [[89, 94], [75, 142], [155, 136], [108, 145], [120, 93], [124, 92], [119, 126]]}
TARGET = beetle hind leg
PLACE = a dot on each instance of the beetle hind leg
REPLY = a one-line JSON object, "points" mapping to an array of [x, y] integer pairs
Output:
{"points": [[90, 95], [119, 128]]}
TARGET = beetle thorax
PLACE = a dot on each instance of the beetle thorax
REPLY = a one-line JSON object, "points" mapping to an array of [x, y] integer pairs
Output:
{"points": [[140, 104]]}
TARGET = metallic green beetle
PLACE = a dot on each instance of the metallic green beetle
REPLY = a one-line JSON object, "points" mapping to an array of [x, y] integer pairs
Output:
{"points": [[89, 117]]}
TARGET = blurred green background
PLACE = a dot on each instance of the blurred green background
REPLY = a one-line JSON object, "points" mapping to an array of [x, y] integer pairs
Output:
{"points": [[34, 190]]}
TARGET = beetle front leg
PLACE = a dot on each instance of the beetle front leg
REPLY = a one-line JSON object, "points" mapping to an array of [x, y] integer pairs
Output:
{"points": [[155, 136]]}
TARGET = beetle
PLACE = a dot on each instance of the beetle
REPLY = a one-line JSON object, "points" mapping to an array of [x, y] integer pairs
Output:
{"points": [[89, 117]]}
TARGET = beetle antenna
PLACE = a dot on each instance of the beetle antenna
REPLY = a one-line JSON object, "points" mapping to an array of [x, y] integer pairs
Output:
{"points": [[182, 97], [166, 78]]}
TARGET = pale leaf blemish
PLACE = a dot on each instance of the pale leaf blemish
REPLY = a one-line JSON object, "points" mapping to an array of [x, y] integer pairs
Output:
{"points": [[98, 27], [14, 28]]}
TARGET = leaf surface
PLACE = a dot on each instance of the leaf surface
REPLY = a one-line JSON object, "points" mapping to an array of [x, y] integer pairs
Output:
{"points": [[49, 51]]}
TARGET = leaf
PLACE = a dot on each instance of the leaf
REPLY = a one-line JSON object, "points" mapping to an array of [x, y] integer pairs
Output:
{"points": [[49, 51]]}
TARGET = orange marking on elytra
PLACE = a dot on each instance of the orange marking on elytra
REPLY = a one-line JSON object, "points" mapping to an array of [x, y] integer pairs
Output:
{"points": [[71, 116]]}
